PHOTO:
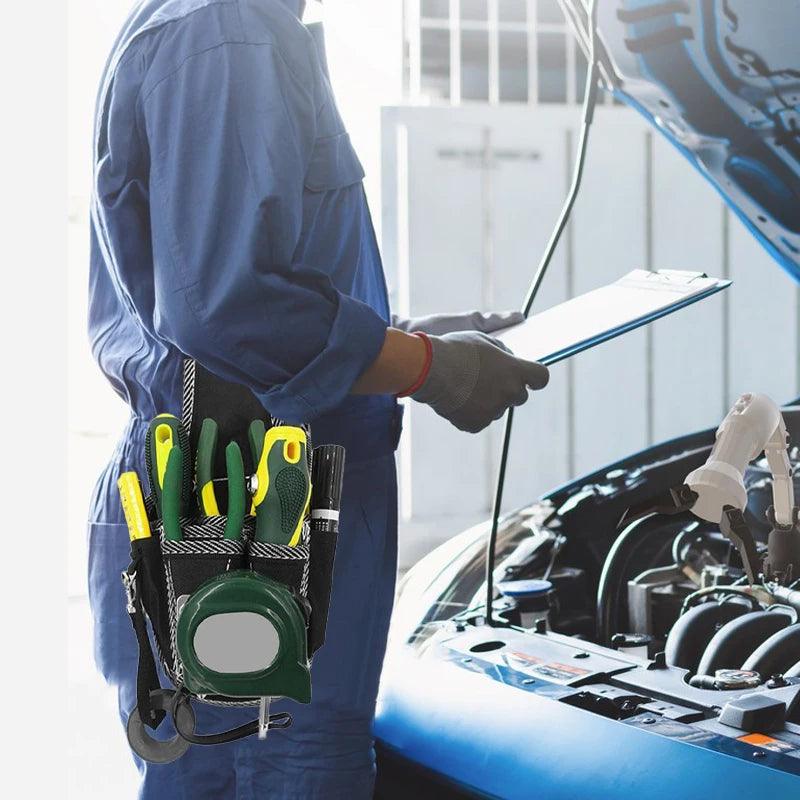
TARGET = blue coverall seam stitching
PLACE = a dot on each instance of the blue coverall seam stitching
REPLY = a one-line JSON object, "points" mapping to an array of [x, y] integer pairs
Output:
{"points": [[194, 54], [141, 35], [297, 396], [332, 136], [310, 155], [225, 43]]}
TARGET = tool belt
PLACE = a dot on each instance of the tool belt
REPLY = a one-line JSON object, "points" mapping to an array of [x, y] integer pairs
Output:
{"points": [[237, 602]]}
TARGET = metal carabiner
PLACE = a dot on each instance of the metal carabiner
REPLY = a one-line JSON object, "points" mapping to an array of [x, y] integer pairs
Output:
{"points": [[129, 582]]}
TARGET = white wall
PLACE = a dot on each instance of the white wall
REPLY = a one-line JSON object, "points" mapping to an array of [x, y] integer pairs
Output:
{"points": [[463, 230], [95, 415]]}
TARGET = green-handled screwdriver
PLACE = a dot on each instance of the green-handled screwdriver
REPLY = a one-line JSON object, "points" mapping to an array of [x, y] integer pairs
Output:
{"points": [[164, 433], [171, 495], [237, 491], [282, 486]]}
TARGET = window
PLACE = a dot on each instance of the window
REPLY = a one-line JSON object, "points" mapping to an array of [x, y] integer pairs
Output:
{"points": [[551, 54], [475, 65], [435, 63], [475, 9], [490, 51], [513, 11], [435, 9], [513, 66], [548, 12]]}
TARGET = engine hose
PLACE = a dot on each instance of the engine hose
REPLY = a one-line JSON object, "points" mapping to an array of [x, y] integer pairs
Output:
{"points": [[793, 671], [733, 643], [777, 654], [616, 564], [700, 594], [679, 541], [693, 630]]}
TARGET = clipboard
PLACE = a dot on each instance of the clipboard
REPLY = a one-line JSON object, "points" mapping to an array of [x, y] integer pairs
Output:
{"points": [[635, 300]]}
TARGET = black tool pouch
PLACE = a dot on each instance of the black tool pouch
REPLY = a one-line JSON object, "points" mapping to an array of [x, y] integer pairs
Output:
{"points": [[180, 584], [234, 406], [145, 591], [289, 565]]}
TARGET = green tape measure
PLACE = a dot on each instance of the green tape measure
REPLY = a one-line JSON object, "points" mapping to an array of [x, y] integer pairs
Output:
{"points": [[243, 635]]}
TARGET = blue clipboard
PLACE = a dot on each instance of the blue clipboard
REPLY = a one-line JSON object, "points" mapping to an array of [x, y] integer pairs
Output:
{"points": [[636, 299]]}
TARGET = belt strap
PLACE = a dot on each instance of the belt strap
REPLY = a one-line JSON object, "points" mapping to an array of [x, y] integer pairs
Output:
{"points": [[146, 674]]}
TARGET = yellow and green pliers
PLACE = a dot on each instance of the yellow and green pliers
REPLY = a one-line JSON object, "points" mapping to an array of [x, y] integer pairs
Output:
{"points": [[204, 477]]}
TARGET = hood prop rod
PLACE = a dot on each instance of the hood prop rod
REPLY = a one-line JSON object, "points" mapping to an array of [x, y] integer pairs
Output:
{"points": [[589, 102]]}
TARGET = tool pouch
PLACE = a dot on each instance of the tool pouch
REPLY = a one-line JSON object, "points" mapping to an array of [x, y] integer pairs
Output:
{"points": [[289, 565], [147, 569], [234, 619]]}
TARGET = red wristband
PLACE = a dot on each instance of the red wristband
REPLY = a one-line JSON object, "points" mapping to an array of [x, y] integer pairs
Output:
{"points": [[426, 368]]}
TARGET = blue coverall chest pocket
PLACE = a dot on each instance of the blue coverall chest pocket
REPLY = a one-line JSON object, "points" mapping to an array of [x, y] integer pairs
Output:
{"points": [[334, 164]]}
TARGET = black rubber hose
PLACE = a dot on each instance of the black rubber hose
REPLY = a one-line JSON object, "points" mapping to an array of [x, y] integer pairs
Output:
{"points": [[679, 541], [693, 631], [589, 102], [777, 654], [737, 639], [616, 567]]}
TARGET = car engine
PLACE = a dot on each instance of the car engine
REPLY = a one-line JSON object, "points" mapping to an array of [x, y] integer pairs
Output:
{"points": [[619, 596]]}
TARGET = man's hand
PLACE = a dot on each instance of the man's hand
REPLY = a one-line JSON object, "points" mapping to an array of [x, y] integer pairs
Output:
{"points": [[467, 377], [473, 379], [440, 324]]}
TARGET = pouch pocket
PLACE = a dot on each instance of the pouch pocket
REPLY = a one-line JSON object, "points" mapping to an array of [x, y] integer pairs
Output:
{"points": [[323, 551], [288, 565], [192, 561], [203, 553]]}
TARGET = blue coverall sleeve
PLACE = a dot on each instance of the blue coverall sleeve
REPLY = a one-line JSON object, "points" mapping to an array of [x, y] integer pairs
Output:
{"points": [[230, 135]]}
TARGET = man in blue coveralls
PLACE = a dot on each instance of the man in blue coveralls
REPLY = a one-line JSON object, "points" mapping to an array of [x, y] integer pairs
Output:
{"points": [[229, 224]]}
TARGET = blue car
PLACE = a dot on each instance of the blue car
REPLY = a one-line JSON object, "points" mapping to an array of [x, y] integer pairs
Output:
{"points": [[623, 658]]}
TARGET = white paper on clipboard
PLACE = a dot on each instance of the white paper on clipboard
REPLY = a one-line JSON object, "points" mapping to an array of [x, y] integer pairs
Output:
{"points": [[634, 300]]}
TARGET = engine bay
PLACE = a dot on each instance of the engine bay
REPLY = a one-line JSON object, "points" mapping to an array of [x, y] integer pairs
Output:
{"points": [[611, 602]]}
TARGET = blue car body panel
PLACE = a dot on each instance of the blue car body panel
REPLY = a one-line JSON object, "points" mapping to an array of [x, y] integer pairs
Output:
{"points": [[495, 739]]}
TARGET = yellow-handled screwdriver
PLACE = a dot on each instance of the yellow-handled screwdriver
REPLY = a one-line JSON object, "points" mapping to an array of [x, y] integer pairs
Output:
{"points": [[130, 493]]}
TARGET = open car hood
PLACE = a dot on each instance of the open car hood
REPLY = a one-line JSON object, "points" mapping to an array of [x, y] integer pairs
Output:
{"points": [[721, 80]]}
